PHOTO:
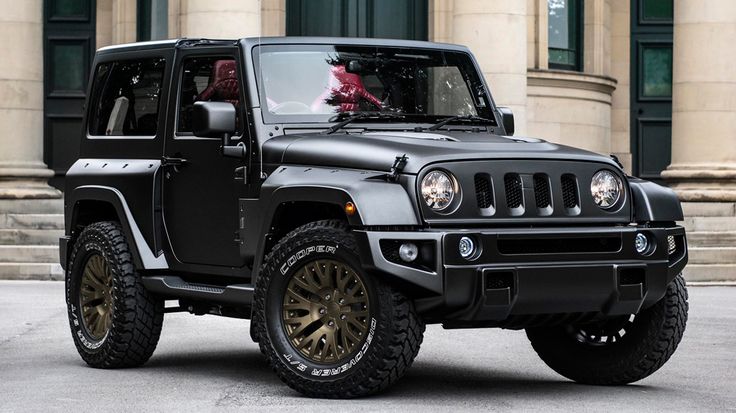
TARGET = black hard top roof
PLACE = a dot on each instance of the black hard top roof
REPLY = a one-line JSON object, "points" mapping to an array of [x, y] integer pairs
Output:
{"points": [[255, 41]]}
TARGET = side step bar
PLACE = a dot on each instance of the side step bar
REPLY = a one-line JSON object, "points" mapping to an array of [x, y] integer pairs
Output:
{"points": [[173, 286]]}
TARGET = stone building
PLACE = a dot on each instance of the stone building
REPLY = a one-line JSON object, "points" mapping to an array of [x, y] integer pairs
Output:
{"points": [[649, 81]]}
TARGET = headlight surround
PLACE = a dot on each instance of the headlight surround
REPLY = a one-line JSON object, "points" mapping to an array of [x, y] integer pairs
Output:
{"points": [[439, 189], [606, 188]]}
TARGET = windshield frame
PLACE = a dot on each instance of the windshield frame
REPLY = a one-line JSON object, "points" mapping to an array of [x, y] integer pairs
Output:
{"points": [[476, 83]]}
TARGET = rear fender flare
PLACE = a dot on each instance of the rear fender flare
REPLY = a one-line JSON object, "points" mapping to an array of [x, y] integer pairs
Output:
{"points": [[143, 256]]}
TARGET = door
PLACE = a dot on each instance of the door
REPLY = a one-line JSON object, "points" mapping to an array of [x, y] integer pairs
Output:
{"points": [[69, 45], [651, 87], [200, 197], [405, 19]]}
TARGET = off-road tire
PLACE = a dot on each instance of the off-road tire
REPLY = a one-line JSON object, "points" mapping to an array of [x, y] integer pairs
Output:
{"points": [[398, 330], [651, 341], [137, 315]]}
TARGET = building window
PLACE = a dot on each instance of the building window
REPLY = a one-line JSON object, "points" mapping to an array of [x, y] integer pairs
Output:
{"points": [[153, 20], [565, 34]]}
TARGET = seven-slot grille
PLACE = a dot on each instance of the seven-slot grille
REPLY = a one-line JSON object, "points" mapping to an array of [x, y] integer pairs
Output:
{"points": [[514, 192]]}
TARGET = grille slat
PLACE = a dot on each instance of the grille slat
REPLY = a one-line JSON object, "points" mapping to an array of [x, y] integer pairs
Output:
{"points": [[541, 191], [570, 198], [483, 191], [512, 186]]}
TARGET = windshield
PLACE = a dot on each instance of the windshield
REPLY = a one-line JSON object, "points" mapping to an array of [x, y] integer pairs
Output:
{"points": [[313, 83]]}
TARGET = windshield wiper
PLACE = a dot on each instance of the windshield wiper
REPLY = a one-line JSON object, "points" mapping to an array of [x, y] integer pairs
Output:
{"points": [[464, 118], [349, 117]]}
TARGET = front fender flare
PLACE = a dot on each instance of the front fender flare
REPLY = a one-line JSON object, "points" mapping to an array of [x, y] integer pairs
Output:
{"points": [[378, 202], [654, 203]]}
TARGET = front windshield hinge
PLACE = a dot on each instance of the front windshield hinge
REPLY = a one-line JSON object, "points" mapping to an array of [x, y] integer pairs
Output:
{"points": [[397, 167]]}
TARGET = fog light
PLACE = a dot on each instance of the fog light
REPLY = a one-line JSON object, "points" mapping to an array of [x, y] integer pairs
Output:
{"points": [[408, 252], [466, 247], [641, 243]]}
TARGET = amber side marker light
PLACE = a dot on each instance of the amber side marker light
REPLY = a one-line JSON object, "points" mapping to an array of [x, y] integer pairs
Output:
{"points": [[350, 209]]}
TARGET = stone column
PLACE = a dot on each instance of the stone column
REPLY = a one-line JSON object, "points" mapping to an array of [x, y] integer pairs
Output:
{"points": [[495, 31], [620, 67], [704, 101], [124, 29], [222, 19], [22, 171], [273, 18]]}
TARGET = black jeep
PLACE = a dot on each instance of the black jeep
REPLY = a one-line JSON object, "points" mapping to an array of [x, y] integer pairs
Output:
{"points": [[342, 193]]}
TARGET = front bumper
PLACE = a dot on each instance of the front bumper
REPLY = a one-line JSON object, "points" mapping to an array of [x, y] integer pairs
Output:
{"points": [[523, 271]]}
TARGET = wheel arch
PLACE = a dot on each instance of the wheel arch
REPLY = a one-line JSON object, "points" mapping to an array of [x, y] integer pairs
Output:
{"points": [[315, 194], [93, 203]]}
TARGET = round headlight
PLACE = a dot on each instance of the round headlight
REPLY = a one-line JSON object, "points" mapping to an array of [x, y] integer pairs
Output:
{"points": [[438, 190], [606, 189]]}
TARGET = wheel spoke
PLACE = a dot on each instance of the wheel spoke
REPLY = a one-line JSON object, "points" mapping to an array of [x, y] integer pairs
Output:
{"points": [[297, 306], [294, 295], [302, 323], [306, 285]]}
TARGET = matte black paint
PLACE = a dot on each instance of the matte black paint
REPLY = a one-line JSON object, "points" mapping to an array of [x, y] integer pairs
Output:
{"points": [[198, 219]]}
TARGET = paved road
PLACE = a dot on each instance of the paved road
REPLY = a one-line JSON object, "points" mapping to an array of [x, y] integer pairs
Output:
{"points": [[209, 363]]}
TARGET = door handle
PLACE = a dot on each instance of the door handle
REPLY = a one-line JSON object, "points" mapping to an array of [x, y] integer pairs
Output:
{"points": [[175, 162]]}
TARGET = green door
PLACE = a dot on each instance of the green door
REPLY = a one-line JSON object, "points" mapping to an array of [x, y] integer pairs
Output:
{"points": [[394, 19], [68, 48], [651, 87]]}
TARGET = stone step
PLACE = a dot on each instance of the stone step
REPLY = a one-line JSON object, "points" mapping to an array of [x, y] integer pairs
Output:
{"points": [[716, 224], [32, 221], [31, 206], [30, 271], [48, 254], [711, 239], [709, 209], [30, 236], [712, 255], [710, 272]]}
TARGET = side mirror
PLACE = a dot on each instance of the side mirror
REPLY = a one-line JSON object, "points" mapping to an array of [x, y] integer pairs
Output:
{"points": [[213, 120], [507, 117], [217, 120]]}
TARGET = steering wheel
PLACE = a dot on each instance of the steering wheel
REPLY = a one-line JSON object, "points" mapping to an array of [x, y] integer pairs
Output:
{"points": [[290, 107]]}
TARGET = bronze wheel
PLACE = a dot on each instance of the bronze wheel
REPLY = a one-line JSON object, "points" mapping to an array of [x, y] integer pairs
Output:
{"points": [[326, 311], [115, 321], [95, 297]]}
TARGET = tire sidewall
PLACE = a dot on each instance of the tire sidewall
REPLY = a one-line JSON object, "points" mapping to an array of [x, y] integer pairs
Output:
{"points": [[91, 241], [283, 267]]}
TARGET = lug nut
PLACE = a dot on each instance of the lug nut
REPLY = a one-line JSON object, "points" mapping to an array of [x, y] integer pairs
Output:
{"points": [[343, 316], [331, 323], [342, 301], [322, 311], [327, 297]]}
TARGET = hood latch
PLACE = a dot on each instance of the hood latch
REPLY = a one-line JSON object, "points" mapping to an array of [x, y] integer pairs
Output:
{"points": [[396, 168]]}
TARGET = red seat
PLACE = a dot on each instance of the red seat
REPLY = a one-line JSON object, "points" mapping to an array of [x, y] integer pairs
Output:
{"points": [[224, 86], [346, 91]]}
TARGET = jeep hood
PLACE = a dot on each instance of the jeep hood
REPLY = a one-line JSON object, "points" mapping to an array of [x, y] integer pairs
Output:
{"points": [[377, 151]]}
